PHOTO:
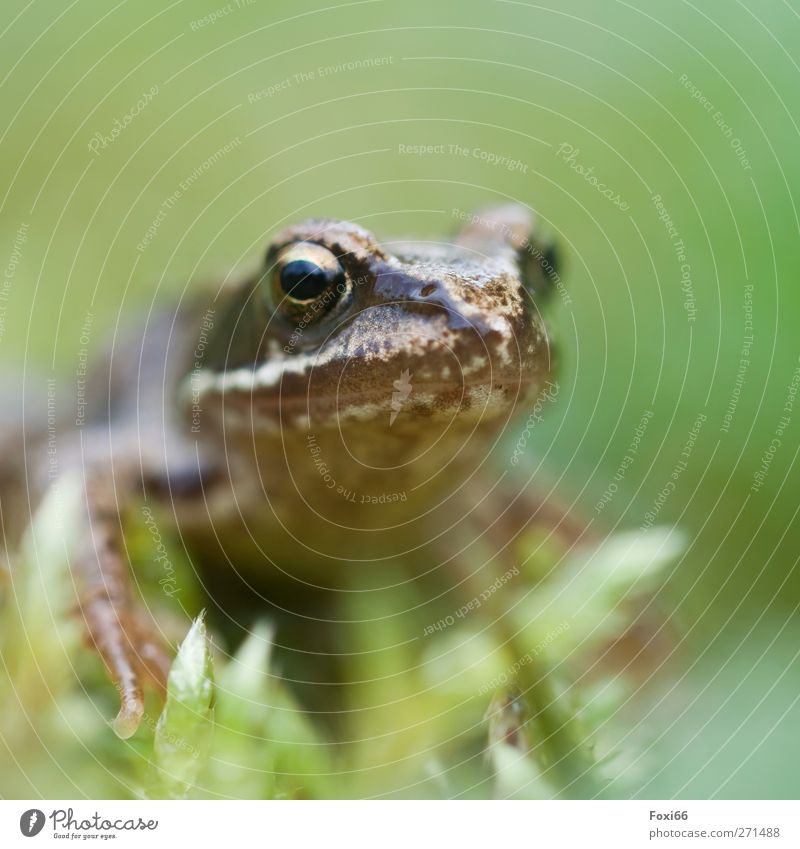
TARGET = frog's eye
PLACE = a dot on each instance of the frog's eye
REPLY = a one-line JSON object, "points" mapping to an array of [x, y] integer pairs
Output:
{"points": [[306, 275]]}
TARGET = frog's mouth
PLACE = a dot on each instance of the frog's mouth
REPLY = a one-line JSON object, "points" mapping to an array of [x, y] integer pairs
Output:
{"points": [[276, 395]]}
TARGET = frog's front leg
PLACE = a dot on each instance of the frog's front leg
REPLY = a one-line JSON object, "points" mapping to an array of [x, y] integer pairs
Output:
{"points": [[117, 627]]}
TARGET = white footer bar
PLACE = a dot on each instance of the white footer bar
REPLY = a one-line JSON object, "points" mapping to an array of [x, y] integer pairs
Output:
{"points": [[405, 825]]}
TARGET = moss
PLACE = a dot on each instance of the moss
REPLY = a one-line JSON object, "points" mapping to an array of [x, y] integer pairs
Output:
{"points": [[417, 725]]}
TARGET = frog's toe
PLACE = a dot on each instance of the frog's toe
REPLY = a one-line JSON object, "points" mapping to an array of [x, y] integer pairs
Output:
{"points": [[145, 659], [120, 656], [129, 716], [131, 654]]}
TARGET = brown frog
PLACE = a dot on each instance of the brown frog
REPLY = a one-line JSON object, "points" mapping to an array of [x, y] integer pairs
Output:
{"points": [[334, 410]]}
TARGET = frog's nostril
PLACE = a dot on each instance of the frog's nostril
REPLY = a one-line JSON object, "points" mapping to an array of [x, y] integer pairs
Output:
{"points": [[426, 290]]}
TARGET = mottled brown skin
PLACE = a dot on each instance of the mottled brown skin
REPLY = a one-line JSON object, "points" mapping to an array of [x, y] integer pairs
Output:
{"points": [[309, 437]]}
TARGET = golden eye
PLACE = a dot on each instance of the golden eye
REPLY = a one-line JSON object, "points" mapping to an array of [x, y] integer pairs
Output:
{"points": [[306, 275]]}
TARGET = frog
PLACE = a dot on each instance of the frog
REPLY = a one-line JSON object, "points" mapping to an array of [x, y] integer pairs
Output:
{"points": [[332, 409]]}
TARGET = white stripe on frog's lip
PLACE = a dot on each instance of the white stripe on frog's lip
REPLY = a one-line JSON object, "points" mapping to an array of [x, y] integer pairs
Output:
{"points": [[248, 382], [268, 375]]}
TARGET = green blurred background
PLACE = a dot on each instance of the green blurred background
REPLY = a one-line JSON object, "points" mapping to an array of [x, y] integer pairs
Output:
{"points": [[611, 80]]}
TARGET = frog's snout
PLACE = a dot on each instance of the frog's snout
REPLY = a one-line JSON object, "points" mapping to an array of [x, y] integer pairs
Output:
{"points": [[468, 338]]}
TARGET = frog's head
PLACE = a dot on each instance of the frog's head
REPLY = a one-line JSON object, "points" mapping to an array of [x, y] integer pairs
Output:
{"points": [[339, 328]]}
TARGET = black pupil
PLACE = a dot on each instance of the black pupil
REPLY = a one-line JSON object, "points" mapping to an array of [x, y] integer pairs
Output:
{"points": [[303, 280]]}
